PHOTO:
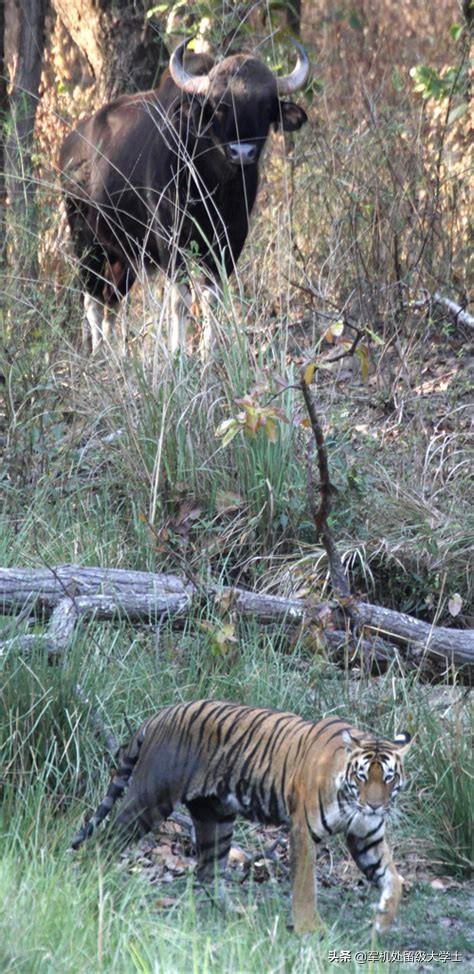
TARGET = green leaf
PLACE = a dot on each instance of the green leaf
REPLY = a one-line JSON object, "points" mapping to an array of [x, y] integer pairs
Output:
{"points": [[362, 352], [455, 31], [160, 8], [355, 21], [397, 80]]}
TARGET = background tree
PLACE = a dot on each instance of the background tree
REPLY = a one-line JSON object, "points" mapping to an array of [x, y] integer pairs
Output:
{"points": [[24, 21], [122, 48], [3, 115]]}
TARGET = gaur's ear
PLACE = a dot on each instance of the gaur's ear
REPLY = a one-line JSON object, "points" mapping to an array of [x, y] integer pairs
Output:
{"points": [[292, 116], [403, 742], [350, 742]]}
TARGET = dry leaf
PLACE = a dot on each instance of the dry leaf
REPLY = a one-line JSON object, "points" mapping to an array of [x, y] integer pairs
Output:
{"points": [[438, 884], [164, 903], [308, 374], [228, 500], [455, 604]]}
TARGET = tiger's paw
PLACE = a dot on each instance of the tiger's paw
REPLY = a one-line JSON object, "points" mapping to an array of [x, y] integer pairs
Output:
{"points": [[217, 895], [383, 920], [304, 927]]}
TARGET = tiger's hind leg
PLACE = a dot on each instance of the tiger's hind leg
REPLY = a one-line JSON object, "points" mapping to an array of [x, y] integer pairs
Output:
{"points": [[133, 822], [213, 839]]}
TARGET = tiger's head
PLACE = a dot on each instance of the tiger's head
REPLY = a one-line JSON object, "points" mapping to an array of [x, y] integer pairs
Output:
{"points": [[374, 773]]}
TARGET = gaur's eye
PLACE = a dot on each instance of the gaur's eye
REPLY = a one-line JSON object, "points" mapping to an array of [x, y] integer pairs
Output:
{"points": [[218, 115]]}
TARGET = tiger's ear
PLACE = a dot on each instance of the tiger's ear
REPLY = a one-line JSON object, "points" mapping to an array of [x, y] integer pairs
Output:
{"points": [[349, 741], [403, 742]]}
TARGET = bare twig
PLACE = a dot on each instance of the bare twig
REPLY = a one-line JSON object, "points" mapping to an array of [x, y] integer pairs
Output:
{"points": [[322, 510]]}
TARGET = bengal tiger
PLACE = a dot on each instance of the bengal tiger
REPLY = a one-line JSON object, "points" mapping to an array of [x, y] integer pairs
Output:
{"points": [[221, 759]]}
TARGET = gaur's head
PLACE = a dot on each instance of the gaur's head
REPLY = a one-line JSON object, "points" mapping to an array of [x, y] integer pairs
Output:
{"points": [[240, 98]]}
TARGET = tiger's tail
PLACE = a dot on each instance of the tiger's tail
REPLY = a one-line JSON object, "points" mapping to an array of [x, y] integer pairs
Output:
{"points": [[115, 791]]}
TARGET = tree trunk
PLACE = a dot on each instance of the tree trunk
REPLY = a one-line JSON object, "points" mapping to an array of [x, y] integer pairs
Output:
{"points": [[293, 16], [123, 50], [3, 120], [27, 17], [71, 592]]}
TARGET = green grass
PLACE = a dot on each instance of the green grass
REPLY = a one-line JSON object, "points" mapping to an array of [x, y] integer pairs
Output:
{"points": [[65, 916], [83, 912]]}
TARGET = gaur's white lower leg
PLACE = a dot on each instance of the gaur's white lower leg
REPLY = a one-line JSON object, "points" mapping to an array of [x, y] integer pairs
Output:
{"points": [[209, 296], [99, 322], [98, 318], [179, 303], [93, 320]]}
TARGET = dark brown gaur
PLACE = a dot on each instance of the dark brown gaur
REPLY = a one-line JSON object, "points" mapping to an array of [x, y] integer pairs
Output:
{"points": [[152, 176]]}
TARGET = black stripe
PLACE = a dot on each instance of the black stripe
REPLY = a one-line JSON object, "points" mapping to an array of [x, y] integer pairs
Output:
{"points": [[370, 845], [341, 801], [211, 714], [330, 723], [214, 846], [283, 780], [181, 730], [273, 806], [270, 748], [323, 817], [335, 734], [370, 870], [225, 711], [197, 713], [314, 835], [242, 711], [301, 744], [372, 832], [271, 742], [246, 736], [246, 765]]}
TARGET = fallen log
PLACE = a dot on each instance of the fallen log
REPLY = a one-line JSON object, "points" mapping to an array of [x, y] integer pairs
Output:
{"points": [[70, 593], [460, 314]]}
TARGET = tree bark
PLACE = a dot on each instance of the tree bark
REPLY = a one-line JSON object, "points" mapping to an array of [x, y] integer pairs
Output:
{"points": [[3, 119], [123, 50], [75, 592], [3, 109], [29, 19], [293, 16]]}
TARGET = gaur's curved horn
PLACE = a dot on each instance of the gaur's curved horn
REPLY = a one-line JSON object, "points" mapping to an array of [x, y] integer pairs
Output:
{"points": [[194, 84], [291, 82]]}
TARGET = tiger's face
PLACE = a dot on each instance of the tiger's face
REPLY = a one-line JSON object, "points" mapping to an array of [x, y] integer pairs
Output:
{"points": [[374, 772]]}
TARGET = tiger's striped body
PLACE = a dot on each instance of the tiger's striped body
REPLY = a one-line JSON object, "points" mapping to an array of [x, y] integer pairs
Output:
{"points": [[222, 759]]}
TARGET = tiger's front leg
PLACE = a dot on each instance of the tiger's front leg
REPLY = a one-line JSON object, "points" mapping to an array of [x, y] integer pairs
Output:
{"points": [[374, 859], [303, 877]]}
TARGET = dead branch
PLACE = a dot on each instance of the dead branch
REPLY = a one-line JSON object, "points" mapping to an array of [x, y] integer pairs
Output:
{"points": [[460, 315], [98, 594], [322, 511]]}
